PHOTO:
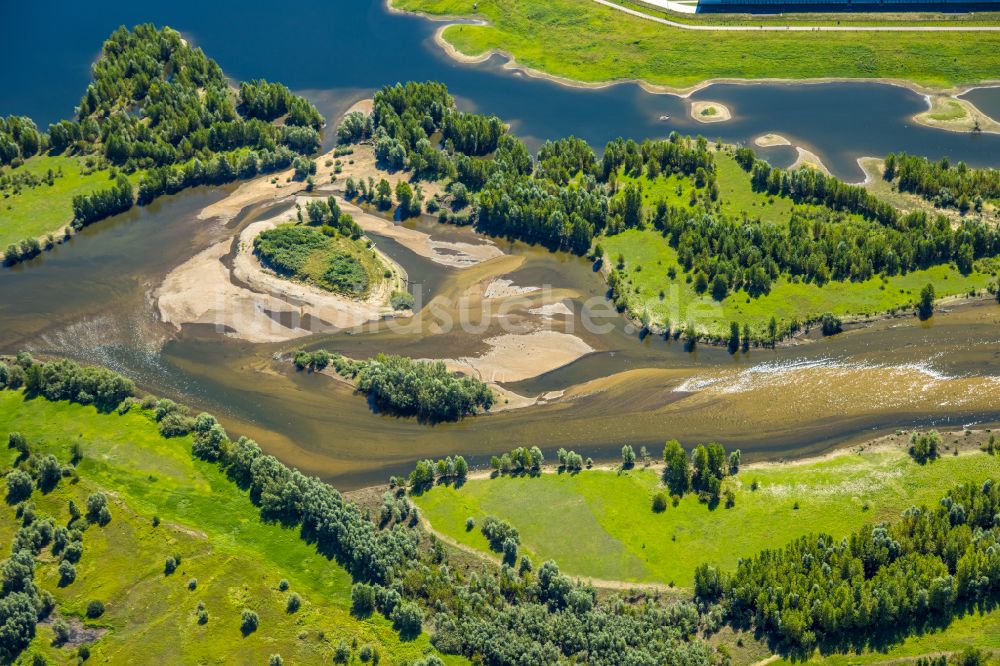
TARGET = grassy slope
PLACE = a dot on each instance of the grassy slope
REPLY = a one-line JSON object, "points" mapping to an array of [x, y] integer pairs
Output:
{"points": [[975, 630], [601, 524], [237, 559], [787, 300], [585, 41], [45, 209]]}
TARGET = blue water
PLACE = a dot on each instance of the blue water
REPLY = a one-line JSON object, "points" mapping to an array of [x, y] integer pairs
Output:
{"points": [[338, 52]]}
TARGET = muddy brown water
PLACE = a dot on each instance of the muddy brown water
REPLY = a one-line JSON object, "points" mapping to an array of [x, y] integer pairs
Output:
{"points": [[92, 300]]}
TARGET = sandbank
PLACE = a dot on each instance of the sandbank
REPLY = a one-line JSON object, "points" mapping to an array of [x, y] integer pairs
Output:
{"points": [[253, 304], [952, 113], [809, 159], [447, 253], [710, 112], [513, 357], [769, 140]]}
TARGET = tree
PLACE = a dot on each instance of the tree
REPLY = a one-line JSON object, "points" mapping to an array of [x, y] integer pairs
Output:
{"points": [[95, 608], [734, 337], [924, 446], [407, 619], [831, 324], [461, 468], [404, 195], [659, 502], [362, 600], [97, 509], [628, 456], [67, 573], [293, 603], [19, 486], [537, 459], [677, 473], [925, 307], [249, 621], [18, 617]]}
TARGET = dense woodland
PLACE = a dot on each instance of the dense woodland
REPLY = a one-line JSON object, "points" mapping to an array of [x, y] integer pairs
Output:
{"points": [[943, 184], [871, 588], [163, 108]]}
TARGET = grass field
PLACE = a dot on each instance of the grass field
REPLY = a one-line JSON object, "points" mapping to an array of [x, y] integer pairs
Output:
{"points": [[47, 209], [237, 560], [980, 631], [585, 41], [651, 290], [601, 524]]}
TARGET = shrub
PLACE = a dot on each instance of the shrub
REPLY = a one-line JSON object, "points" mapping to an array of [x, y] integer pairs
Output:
{"points": [[170, 565], [342, 653], [67, 573], [97, 509], [202, 616], [660, 502], [294, 602], [249, 622], [95, 609], [275, 660], [19, 486], [362, 599], [407, 619], [282, 584], [193, 584]]}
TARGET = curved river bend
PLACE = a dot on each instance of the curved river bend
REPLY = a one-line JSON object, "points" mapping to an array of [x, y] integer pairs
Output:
{"points": [[92, 299]]}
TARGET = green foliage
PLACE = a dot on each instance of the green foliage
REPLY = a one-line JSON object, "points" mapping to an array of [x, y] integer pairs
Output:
{"points": [[924, 446], [422, 388], [943, 184], [883, 578], [308, 253]]}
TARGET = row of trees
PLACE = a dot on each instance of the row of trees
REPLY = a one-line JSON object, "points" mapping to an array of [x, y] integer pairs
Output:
{"points": [[446, 469], [425, 389]]}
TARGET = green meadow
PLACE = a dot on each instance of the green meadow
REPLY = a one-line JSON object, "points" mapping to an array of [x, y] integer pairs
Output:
{"points": [[585, 41], [237, 559], [600, 524], [649, 260], [45, 209]]}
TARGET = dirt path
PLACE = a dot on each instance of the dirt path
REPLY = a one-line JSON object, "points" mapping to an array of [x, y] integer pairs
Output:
{"points": [[801, 28]]}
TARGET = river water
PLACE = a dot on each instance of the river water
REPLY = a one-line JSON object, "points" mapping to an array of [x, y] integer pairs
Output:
{"points": [[92, 298]]}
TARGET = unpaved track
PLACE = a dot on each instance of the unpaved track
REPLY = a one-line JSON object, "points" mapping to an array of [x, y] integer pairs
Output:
{"points": [[803, 28]]}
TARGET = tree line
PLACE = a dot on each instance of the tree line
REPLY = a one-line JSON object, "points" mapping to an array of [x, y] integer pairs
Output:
{"points": [[942, 183]]}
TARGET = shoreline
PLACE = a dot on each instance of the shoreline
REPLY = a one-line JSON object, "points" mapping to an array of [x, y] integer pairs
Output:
{"points": [[683, 92]]}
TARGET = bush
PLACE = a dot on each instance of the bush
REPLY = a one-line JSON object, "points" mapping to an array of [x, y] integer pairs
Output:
{"points": [[275, 660], [169, 566], [282, 585], [342, 653], [193, 584], [294, 602], [95, 609], [831, 324], [67, 573], [407, 619], [19, 486], [362, 599], [660, 502], [97, 509], [249, 622]]}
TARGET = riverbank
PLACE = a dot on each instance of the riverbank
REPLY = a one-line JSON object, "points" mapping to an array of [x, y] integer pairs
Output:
{"points": [[774, 502], [547, 44]]}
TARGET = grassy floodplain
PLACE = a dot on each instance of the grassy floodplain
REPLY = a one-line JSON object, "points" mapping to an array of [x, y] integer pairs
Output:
{"points": [[588, 42], [237, 559], [600, 523], [34, 212], [649, 259]]}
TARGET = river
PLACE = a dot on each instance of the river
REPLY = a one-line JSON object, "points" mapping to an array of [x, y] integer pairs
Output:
{"points": [[92, 298]]}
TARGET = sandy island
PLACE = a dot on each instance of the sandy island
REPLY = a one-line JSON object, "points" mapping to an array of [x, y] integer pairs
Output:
{"points": [[769, 140], [710, 112], [251, 303], [513, 357], [952, 113]]}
